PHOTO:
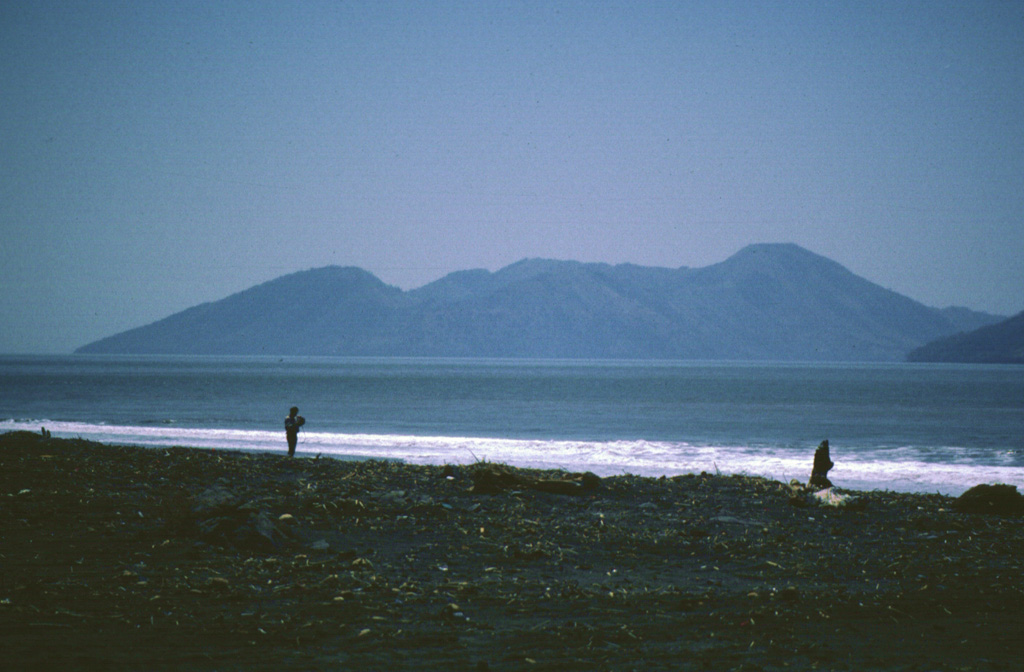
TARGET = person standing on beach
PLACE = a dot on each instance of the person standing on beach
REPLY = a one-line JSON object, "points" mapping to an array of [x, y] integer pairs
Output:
{"points": [[291, 428]]}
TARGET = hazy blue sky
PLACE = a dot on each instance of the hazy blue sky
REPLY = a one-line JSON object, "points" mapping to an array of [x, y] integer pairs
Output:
{"points": [[156, 155]]}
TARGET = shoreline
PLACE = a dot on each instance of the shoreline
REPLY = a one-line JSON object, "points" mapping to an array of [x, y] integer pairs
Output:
{"points": [[176, 558], [920, 474]]}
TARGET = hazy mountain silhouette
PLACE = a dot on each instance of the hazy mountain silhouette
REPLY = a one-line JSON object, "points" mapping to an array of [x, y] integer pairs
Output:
{"points": [[1000, 343], [767, 302]]}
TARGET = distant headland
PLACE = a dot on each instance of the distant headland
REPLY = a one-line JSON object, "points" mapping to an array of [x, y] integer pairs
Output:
{"points": [[776, 302]]}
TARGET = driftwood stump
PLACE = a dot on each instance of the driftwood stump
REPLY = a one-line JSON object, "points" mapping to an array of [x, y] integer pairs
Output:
{"points": [[822, 463]]}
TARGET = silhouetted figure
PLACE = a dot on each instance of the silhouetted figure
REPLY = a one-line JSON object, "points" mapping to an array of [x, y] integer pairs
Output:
{"points": [[291, 428], [822, 463]]}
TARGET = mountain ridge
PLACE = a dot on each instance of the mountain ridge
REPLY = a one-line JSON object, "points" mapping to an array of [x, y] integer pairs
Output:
{"points": [[766, 302]]}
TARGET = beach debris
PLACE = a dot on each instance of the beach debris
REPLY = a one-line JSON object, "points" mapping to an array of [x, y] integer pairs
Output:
{"points": [[802, 496], [737, 521], [453, 612], [819, 471], [790, 593], [491, 479], [798, 495], [832, 497], [998, 499], [219, 583], [395, 499]]}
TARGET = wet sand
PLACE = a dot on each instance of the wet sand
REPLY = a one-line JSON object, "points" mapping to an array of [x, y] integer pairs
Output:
{"points": [[185, 559]]}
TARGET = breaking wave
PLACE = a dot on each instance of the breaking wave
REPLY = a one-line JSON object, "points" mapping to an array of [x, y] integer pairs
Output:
{"points": [[946, 469]]}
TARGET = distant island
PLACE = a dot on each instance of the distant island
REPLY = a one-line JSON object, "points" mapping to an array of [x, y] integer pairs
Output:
{"points": [[775, 302], [1000, 343]]}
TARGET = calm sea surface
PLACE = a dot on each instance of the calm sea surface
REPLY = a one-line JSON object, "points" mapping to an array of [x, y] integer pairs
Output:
{"points": [[904, 427]]}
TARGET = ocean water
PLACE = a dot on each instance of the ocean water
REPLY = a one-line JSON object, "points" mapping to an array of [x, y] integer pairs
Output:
{"points": [[904, 427]]}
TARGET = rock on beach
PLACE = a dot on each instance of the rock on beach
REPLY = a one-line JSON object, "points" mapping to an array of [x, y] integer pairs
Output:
{"points": [[998, 499]]}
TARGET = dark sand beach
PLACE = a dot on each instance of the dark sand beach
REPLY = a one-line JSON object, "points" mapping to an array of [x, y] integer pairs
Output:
{"points": [[184, 559]]}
